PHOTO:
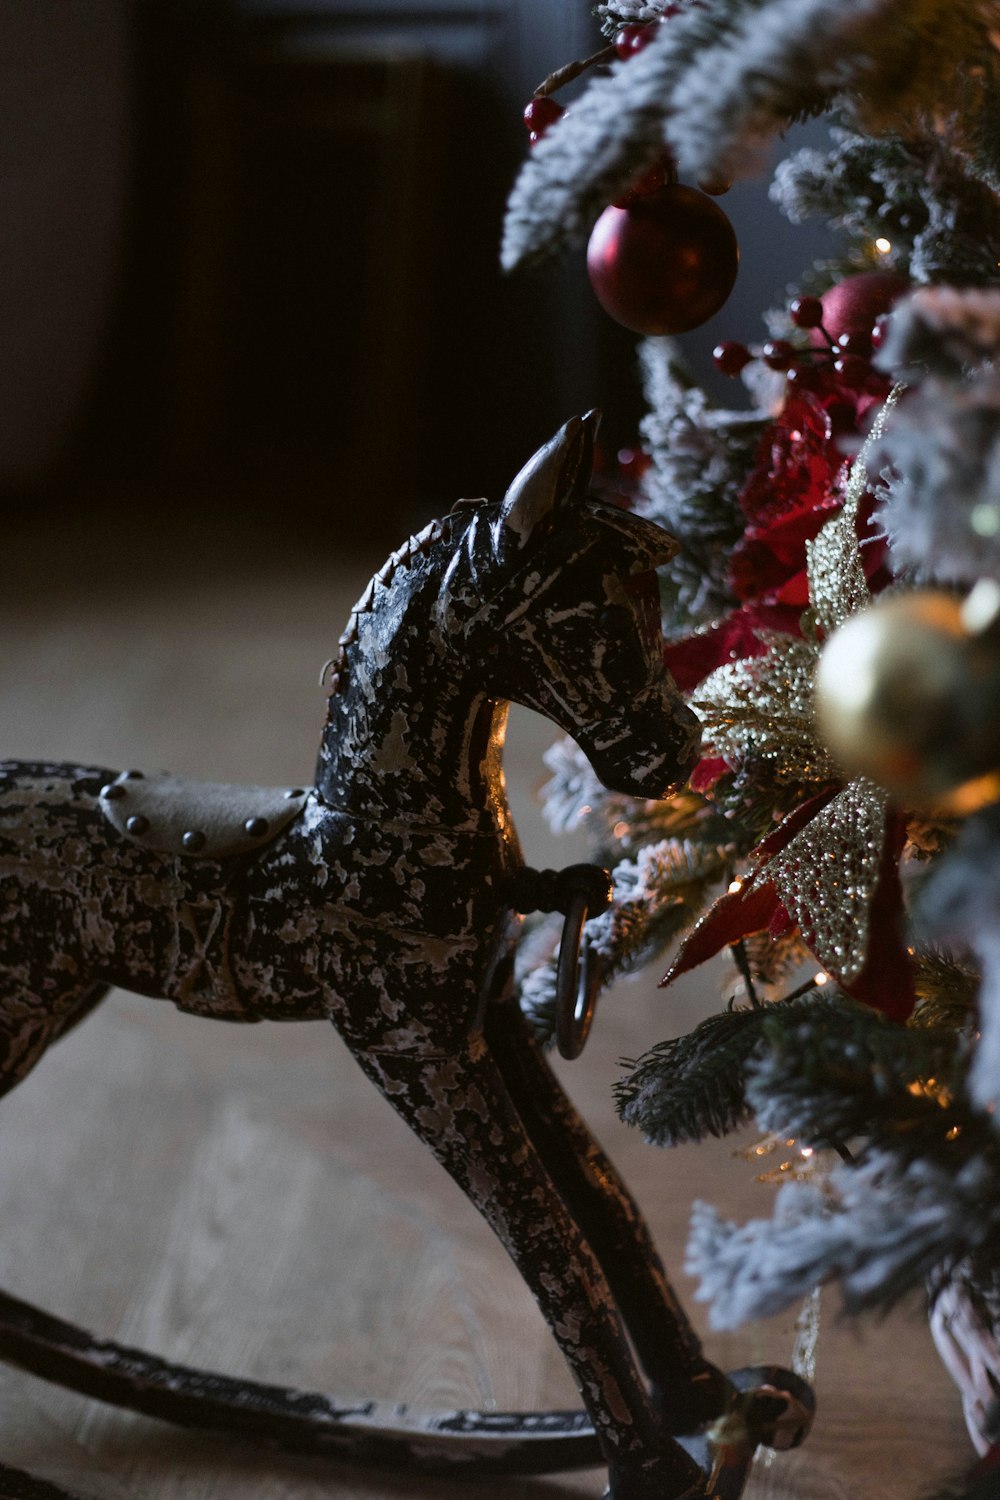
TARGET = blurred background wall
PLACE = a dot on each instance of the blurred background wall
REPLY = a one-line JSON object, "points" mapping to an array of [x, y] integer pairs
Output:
{"points": [[248, 251]]}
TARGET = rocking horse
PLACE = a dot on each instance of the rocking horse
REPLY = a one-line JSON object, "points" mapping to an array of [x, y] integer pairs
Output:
{"points": [[385, 899]]}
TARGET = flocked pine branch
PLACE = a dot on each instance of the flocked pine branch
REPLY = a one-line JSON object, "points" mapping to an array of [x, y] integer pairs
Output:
{"points": [[946, 989], [718, 82], [619, 825], [572, 790], [962, 904], [941, 448], [613, 131], [881, 1229], [612, 16], [923, 1197], [700, 459], [692, 1086], [940, 219], [835, 1070]]}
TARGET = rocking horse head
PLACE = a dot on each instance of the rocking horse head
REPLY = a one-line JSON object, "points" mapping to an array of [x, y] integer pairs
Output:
{"points": [[567, 617]]}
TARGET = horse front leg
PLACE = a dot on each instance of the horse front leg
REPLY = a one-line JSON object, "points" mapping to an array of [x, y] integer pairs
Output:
{"points": [[459, 1106], [687, 1390]]}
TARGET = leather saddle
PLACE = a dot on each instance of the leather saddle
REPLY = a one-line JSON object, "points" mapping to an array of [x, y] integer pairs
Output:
{"points": [[198, 819]]}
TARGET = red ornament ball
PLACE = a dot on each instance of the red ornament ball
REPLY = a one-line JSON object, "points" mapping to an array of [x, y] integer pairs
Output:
{"points": [[665, 263], [855, 304]]}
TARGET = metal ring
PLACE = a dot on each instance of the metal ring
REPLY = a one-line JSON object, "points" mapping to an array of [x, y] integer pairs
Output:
{"points": [[578, 978]]}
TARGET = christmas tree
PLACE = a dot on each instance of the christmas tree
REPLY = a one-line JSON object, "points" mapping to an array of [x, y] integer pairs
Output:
{"points": [[834, 619]]}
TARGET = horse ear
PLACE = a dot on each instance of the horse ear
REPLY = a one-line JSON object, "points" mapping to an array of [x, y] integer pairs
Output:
{"points": [[554, 476]]}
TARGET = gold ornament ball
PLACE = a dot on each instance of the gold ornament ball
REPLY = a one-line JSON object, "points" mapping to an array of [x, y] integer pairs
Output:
{"points": [[909, 695]]}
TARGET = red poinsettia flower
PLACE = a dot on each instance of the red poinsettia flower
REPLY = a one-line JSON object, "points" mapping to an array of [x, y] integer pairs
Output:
{"points": [[796, 485]]}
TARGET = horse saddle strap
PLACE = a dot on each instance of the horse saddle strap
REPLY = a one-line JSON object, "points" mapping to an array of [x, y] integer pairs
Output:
{"points": [[198, 819]]}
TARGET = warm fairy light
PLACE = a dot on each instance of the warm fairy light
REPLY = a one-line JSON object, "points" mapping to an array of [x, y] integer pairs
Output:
{"points": [[821, 978], [734, 886], [954, 1133], [882, 245], [620, 830], [806, 1151]]}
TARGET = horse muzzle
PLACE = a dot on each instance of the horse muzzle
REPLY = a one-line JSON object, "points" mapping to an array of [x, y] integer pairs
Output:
{"points": [[647, 750]]}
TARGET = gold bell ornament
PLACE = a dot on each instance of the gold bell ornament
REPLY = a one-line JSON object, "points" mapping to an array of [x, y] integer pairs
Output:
{"points": [[908, 694]]}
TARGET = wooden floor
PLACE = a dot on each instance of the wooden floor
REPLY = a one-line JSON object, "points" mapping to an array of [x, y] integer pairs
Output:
{"points": [[241, 1198]]}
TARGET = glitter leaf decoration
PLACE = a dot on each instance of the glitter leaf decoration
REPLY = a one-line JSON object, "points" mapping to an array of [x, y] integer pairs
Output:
{"points": [[761, 709], [826, 876], [837, 584]]}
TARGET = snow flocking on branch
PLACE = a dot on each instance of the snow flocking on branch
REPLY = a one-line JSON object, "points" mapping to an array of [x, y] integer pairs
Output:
{"points": [[887, 1225], [941, 450], [715, 84]]}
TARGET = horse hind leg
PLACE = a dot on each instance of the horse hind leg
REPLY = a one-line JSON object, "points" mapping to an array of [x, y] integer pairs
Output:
{"points": [[459, 1106], [687, 1389], [31, 1021]]}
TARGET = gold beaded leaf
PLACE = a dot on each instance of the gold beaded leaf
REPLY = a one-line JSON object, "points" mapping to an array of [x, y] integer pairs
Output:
{"points": [[760, 709], [837, 584], [826, 876]]}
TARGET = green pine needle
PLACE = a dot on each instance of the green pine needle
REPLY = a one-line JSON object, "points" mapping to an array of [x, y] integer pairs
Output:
{"points": [[692, 1086]]}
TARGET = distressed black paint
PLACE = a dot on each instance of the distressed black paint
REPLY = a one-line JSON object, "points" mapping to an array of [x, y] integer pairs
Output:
{"points": [[387, 906]]}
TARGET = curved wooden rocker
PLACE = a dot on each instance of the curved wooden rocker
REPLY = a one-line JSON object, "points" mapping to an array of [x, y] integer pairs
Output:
{"points": [[381, 1434]]}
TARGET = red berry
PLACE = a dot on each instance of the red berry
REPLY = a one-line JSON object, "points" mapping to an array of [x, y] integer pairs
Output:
{"points": [[648, 182], [716, 186], [880, 331], [779, 354], [730, 357], [853, 371], [541, 112], [806, 312], [855, 342], [633, 37], [803, 377]]}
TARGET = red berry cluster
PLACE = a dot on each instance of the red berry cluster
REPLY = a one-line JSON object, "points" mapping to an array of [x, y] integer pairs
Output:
{"points": [[636, 35], [543, 111], [842, 359]]}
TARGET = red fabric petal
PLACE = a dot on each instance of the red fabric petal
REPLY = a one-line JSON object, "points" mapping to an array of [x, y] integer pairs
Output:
{"points": [[707, 772], [886, 981], [690, 659], [794, 591], [753, 908], [791, 825], [733, 916]]}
